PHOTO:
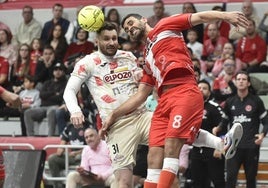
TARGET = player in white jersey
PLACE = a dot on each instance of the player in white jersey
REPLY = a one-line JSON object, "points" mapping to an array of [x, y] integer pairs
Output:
{"points": [[108, 75]]}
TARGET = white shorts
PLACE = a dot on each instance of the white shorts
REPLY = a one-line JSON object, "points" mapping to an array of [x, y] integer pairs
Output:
{"points": [[125, 136]]}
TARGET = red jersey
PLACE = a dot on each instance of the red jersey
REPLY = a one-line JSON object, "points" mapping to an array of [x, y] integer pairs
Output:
{"points": [[166, 52], [249, 49]]}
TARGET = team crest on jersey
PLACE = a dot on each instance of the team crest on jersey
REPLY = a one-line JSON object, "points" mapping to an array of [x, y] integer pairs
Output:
{"points": [[248, 108], [113, 65]]}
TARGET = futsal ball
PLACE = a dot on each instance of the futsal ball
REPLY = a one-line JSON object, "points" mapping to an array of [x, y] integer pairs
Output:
{"points": [[90, 18]]}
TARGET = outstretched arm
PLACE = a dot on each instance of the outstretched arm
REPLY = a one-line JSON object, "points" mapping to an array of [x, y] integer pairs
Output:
{"points": [[12, 99], [235, 18]]}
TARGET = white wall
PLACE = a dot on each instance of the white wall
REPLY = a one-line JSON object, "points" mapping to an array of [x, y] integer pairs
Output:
{"points": [[13, 17]]}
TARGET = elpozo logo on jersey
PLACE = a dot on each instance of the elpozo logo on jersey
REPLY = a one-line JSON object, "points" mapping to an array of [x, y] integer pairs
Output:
{"points": [[117, 76]]}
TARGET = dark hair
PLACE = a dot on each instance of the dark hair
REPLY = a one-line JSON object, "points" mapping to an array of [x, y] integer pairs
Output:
{"points": [[130, 15], [57, 5], [204, 82], [107, 26], [190, 3], [30, 78], [28, 7], [78, 32], [109, 14], [243, 72], [49, 47]]}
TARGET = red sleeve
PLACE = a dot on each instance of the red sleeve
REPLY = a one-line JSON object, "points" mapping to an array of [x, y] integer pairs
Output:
{"points": [[4, 66], [147, 79], [262, 50], [178, 22]]}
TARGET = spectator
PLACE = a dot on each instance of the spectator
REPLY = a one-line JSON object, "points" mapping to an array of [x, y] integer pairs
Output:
{"points": [[8, 50], [223, 86], [77, 49], [213, 46], [189, 7], [36, 51], [95, 159], [58, 41], [159, 13], [252, 50], [57, 11], [223, 26], [22, 67], [228, 52], [56, 162], [248, 10], [44, 67], [196, 46], [51, 97], [247, 109], [207, 164], [29, 28]]}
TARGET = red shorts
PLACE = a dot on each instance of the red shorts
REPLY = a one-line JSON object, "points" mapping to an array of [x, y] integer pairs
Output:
{"points": [[178, 115]]}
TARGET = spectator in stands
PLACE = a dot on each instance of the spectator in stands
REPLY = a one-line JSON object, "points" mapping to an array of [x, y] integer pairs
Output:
{"points": [[56, 162], [58, 41], [95, 159], [247, 109], [207, 164], [51, 98], [44, 67], [22, 67], [248, 10], [263, 27], [252, 50], [57, 11], [223, 26], [189, 7], [29, 28], [227, 52], [36, 50], [159, 13], [196, 46], [213, 46], [223, 85], [73, 28], [7, 50], [77, 49]]}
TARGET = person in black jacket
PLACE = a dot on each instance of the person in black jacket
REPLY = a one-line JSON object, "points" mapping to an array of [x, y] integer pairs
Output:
{"points": [[207, 164], [247, 109]]}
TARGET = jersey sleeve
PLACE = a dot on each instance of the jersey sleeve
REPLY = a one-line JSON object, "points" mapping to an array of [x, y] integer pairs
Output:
{"points": [[178, 22], [147, 79]]}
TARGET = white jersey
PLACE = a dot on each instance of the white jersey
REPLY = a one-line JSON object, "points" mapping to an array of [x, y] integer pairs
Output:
{"points": [[109, 80]]}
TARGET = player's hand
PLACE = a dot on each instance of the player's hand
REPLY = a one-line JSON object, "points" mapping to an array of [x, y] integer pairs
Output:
{"points": [[80, 169], [109, 121], [215, 130], [238, 19], [137, 74], [259, 138], [77, 119], [12, 99]]}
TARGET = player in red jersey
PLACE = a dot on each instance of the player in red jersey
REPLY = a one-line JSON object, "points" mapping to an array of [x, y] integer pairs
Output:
{"points": [[178, 115]]}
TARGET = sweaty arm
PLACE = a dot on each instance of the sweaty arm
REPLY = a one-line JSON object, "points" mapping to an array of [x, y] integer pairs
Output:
{"points": [[235, 18]]}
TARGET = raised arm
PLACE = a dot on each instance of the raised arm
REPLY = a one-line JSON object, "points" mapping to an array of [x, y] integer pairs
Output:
{"points": [[235, 18]]}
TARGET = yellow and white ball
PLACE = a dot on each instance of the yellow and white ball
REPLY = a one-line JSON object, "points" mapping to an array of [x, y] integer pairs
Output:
{"points": [[90, 18]]}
